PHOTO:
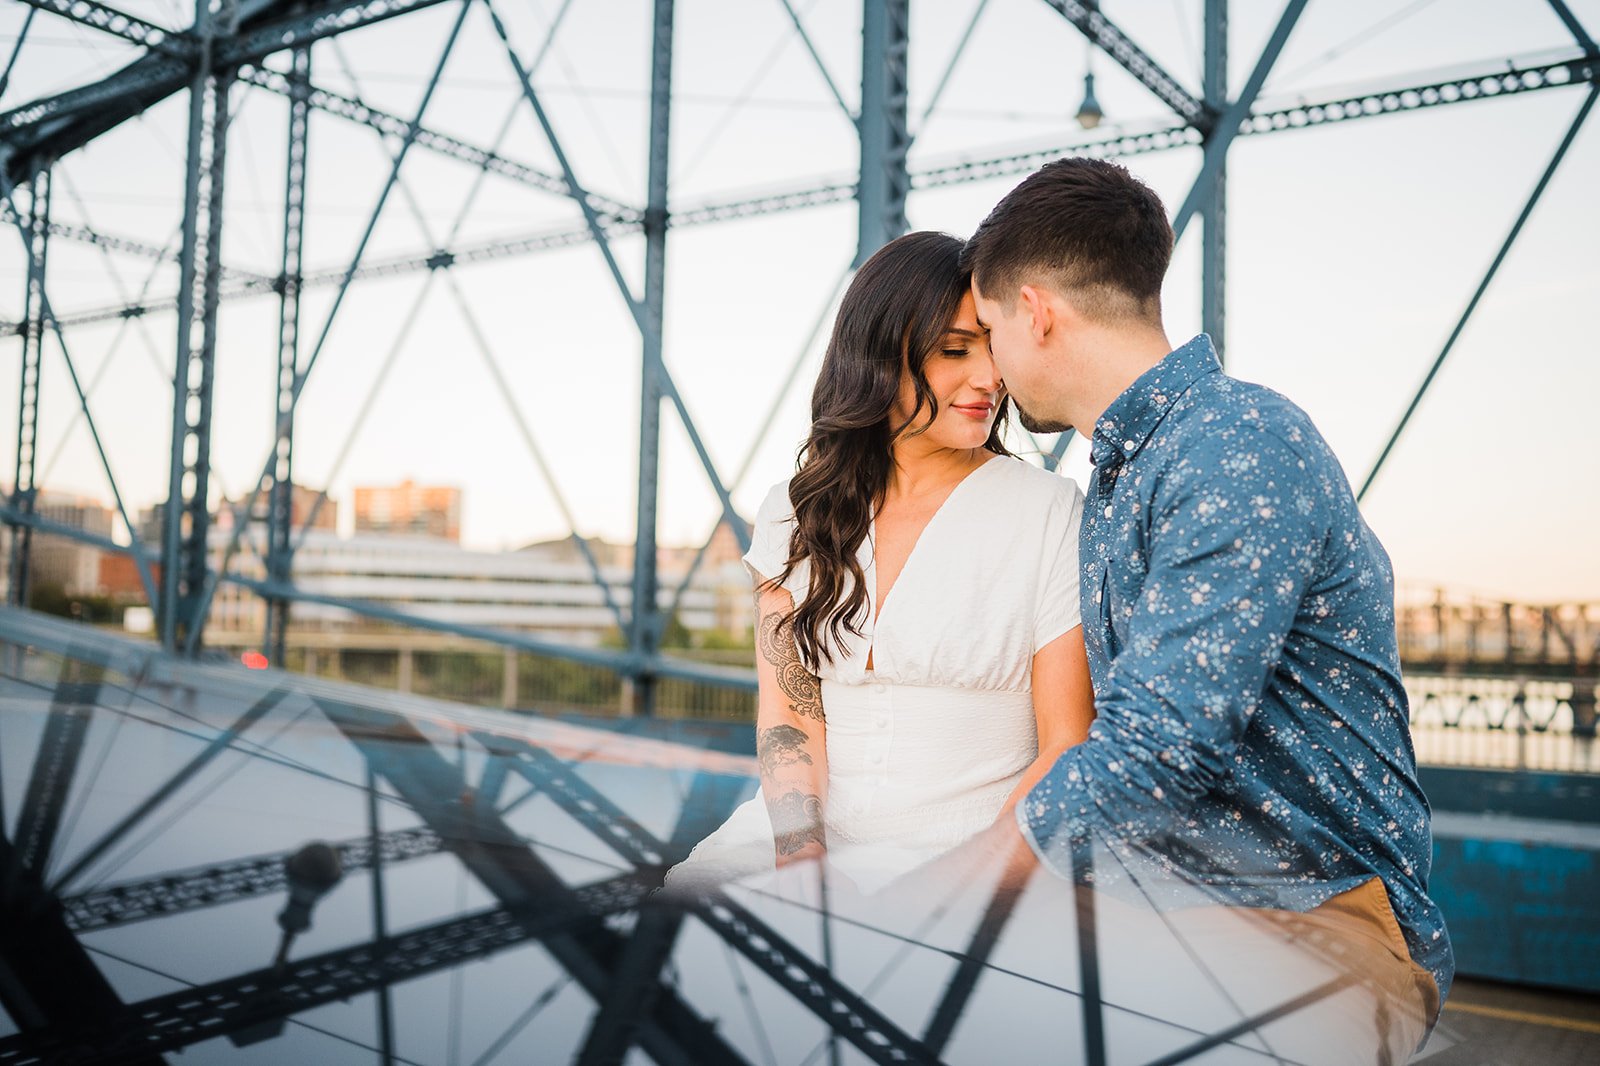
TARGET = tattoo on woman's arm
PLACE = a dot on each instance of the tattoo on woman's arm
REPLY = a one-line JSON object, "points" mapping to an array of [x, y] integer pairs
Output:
{"points": [[796, 822], [797, 683], [782, 745]]}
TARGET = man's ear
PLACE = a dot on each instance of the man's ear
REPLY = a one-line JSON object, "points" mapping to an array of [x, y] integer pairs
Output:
{"points": [[1041, 312]]}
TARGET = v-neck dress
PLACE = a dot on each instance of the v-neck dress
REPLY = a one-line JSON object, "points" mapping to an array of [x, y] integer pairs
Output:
{"points": [[924, 748]]}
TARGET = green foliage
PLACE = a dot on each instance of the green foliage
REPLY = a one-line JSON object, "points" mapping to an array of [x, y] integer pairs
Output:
{"points": [[53, 599]]}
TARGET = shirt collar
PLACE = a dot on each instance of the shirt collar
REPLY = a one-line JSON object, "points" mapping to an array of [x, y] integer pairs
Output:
{"points": [[1125, 426]]}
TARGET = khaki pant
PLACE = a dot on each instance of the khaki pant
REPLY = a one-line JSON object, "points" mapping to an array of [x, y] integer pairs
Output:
{"points": [[1376, 1004]]}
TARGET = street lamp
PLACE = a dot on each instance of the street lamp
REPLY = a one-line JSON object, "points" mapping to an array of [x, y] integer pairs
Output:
{"points": [[1089, 113], [312, 872]]}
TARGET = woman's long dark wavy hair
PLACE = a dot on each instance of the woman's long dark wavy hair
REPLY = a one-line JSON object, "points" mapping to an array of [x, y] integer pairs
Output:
{"points": [[894, 314]]}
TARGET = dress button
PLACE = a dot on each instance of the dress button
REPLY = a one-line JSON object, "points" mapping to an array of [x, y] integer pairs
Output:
{"points": [[881, 722], [880, 688], [876, 759]]}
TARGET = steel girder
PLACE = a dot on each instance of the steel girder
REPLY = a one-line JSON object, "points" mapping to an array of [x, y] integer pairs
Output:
{"points": [[1086, 16], [187, 518], [1483, 285], [1214, 246], [434, 141], [644, 628], [238, 1004], [812, 985], [55, 763], [1555, 74], [54, 126], [119, 24], [884, 132], [23, 490], [511, 871], [218, 883], [47, 979], [280, 510]]}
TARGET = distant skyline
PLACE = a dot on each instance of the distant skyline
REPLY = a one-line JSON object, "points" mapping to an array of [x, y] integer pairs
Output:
{"points": [[1353, 250]]}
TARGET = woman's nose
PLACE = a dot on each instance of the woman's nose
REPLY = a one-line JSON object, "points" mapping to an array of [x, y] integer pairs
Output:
{"points": [[985, 375]]}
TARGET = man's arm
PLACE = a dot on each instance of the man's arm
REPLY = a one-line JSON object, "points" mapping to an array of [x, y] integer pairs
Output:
{"points": [[790, 735], [1236, 535]]}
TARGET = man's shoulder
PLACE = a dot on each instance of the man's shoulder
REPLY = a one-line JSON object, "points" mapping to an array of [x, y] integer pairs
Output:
{"points": [[1225, 413]]}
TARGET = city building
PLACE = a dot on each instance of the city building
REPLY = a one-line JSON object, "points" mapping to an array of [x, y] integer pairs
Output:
{"points": [[60, 562], [430, 510], [544, 590]]}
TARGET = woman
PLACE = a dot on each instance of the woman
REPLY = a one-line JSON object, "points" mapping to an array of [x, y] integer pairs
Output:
{"points": [[920, 660]]}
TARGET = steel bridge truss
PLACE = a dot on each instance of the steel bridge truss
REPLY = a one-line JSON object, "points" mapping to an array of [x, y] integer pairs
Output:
{"points": [[609, 936], [227, 45]]}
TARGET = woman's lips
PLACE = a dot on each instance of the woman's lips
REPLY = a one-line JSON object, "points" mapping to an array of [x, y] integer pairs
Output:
{"points": [[975, 411]]}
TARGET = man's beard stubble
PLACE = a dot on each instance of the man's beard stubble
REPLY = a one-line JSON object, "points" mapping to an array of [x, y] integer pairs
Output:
{"points": [[1037, 425]]}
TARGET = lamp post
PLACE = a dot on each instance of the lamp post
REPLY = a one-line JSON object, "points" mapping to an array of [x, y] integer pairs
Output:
{"points": [[1089, 113], [312, 872]]}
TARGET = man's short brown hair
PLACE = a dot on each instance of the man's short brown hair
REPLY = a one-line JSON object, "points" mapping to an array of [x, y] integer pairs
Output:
{"points": [[1086, 227]]}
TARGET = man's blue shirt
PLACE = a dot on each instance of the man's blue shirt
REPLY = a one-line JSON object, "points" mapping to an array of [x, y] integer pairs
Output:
{"points": [[1251, 724]]}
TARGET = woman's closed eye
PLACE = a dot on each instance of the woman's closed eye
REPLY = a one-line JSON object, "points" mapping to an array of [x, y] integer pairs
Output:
{"points": [[955, 353]]}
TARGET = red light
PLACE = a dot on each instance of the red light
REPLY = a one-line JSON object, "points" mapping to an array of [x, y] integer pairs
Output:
{"points": [[254, 660]]}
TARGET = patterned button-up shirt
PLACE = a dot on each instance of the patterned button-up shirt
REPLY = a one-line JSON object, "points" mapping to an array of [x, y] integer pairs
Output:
{"points": [[1251, 725]]}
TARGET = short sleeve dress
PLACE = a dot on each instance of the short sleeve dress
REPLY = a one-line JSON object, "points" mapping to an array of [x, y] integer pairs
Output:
{"points": [[924, 748]]}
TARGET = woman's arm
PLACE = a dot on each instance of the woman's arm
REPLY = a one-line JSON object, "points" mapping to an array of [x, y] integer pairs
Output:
{"points": [[1063, 704], [790, 734]]}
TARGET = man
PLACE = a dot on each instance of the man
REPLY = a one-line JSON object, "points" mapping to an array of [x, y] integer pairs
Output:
{"points": [[1252, 729]]}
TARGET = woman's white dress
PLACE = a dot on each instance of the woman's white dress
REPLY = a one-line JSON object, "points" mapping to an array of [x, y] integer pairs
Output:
{"points": [[923, 749]]}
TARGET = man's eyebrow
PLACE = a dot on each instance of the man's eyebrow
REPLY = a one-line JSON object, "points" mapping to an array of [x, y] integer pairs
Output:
{"points": [[981, 323]]}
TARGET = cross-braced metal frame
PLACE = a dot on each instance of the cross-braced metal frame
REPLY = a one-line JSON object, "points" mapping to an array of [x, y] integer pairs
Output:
{"points": [[226, 46], [66, 1010]]}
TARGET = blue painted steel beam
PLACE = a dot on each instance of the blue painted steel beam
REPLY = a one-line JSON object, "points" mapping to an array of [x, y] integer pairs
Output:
{"points": [[24, 491], [644, 625], [816, 58], [1227, 127], [220, 743], [511, 871], [117, 23], [488, 159], [55, 763], [186, 519], [236, 1005], [1086, 16], [47, 315], [47, 980], [1483, 286], [1518, 79], [241, 513], [638, 981], [885, 134], [214, 884], [1214, 249], [280, 500], [1576, 28], [64, 122]]}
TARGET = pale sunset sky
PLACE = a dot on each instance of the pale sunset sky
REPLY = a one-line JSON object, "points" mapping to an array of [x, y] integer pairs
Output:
{"points": [[1353, 249]]}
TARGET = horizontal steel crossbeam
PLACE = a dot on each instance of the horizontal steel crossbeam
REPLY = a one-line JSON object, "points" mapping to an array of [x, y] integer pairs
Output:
{"points": [[329, 19], [210, 886], [1111, 40], [1348, 108], [176, 1020], [119, 24], [811, 985], [441, 143]]}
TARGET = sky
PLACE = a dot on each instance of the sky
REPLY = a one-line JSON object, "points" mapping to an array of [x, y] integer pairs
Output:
{"points": [[1353, 251]]}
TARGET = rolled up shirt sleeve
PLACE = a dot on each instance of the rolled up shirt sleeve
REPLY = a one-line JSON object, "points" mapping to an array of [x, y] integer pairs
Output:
{"points": [[1236, 536]]}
